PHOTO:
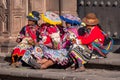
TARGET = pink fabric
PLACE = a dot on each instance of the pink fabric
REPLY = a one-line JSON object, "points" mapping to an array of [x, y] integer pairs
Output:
{"points": [[74, 30]]}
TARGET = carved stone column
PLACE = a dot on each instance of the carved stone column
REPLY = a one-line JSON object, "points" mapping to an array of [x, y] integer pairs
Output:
{"points": [[6, 32], [2, 17]]}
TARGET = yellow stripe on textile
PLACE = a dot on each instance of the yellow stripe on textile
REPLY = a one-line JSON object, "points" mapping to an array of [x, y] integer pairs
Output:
{"points": [[109, 46], [77, 56], [50, 21]]}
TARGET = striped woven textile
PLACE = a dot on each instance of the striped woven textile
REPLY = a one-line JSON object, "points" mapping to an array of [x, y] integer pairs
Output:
{"points": [[82, 55]]}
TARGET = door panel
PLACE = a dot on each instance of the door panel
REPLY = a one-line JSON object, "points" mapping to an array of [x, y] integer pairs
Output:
{"points": [[18, 11], [38, 5]]}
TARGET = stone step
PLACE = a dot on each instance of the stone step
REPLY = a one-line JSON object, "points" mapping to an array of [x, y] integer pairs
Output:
{"points": [[6, 47], [111, 62]]}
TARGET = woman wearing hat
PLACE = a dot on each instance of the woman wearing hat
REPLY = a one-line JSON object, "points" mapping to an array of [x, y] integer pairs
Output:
{"points": [[53, 52], [70, 28], [28, 36], [73, 23], [93, 34]]}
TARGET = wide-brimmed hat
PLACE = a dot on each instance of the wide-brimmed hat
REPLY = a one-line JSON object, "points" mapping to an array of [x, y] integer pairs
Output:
{"points": [[34, 16], [51, 18], [69, 18], [90, 19]]}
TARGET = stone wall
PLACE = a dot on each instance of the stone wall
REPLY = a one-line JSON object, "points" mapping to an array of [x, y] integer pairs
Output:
{"points": [[13, 16]]}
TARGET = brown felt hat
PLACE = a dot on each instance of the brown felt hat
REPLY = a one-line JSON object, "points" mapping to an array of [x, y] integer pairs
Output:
{"points": [[90, 19]]}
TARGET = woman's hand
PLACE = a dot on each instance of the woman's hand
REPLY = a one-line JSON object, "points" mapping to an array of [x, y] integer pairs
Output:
{"points": [[73, 41], [78, 41], [18, 40], [31, 42]]}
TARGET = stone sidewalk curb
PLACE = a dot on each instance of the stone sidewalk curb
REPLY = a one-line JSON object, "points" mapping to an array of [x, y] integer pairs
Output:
{"points": [[48, 74], [57, 74], [51, 74], [112, 59]]}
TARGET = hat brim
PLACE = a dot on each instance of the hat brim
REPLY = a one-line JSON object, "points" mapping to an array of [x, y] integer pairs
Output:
{"points": [[87, 22], [47, 20], [70, 21], [30, 18]]}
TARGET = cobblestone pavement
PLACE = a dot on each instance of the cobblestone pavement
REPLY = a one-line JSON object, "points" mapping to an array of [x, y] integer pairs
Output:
{"points": [[25, 73]]}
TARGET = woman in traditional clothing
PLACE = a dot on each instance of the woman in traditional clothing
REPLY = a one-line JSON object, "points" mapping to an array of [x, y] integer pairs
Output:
{"points": [[82, 54], [53, 51], [72, 25], [28, 36]]}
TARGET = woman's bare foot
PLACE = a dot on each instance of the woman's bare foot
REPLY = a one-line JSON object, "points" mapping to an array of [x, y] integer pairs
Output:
{"points": [[13, 65], [47, 64], [71, 67], [18, 64], [42, 61], [80, 69]]}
